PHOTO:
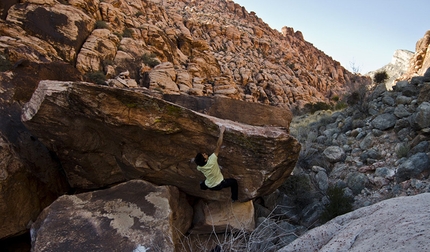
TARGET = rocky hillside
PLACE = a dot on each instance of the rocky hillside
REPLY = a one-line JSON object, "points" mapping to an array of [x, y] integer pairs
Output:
{"points": [[373, 151], [205, 48]]}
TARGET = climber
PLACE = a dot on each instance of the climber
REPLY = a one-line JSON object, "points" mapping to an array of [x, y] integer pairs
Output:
{"points": [[208, 165]]}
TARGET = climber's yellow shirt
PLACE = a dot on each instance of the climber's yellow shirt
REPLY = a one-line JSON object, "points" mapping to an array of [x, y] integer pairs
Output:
{"points": [[211, 171]]}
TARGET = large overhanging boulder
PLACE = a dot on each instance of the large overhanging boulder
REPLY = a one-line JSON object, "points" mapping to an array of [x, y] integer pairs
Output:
{"points": [[251, 113], [105, 135], [132, 216]]}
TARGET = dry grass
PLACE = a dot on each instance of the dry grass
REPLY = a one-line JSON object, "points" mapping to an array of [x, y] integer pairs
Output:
{"points": [[271, 234]]}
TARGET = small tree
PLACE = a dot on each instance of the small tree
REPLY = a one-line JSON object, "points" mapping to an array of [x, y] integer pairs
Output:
{"points": [[380, 77], [339, 204]]}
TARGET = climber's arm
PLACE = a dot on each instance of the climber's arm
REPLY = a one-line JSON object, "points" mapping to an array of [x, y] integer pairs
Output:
{"points": [[220, 139]]}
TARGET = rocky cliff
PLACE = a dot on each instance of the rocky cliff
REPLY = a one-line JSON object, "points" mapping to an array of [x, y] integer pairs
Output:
{"points": [[398, 66], [420, 61], [205, 48]]}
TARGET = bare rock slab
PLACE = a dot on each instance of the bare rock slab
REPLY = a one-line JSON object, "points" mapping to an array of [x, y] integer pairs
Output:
{"points": [[104, 135], [132, 216], [398, 224], [214, 216]]}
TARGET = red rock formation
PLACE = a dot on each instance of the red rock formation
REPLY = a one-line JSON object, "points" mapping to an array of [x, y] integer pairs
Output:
{"points": [[420, 62], [210, 47]]}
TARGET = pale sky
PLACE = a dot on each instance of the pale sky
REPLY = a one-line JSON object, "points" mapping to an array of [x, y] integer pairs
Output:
{"points": [[360, 33]]}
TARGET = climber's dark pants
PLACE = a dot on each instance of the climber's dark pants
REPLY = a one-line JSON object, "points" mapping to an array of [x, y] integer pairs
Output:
{"points": [[230, 182]]}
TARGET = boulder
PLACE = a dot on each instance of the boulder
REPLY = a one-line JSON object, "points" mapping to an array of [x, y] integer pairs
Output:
{"points": [[422, 116], [334, 154], [24, 191], [413, 167], [132, 216], [384, 121], [398, 224], [244, 112], [105, 135], [211, 216]]}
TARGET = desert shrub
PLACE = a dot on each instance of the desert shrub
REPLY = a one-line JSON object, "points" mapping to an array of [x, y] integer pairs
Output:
{"points": [[339, 204], [340, 105], [380, 77], [149, 59], [128, 33], [96, 77], [100, 24], [314, 107], [402, 151], [5, 63], [119, 35], [272, 234]]}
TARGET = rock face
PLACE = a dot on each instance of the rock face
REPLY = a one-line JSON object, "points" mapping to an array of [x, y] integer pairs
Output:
{"points": [[30, 178], [133, 216], [249, 113], [105, 135], [204, 48], [398, 66], [420, 61], [391, 225]]}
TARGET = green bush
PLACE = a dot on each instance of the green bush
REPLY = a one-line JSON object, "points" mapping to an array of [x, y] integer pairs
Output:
{"points": [[128, 33], [314, 107], [96, 77], [339, 204], [5, 64], [299, 188], [402, 151], [149, 59], [100, 24], [340, 105], [380, 77]]}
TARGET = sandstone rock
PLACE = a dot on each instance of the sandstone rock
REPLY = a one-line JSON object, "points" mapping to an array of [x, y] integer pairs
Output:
{"points": [[98, 48], [391, 225], [204, 39], [66, 35], [162, 78], [235, 110], [107, 135], [218, 217], [420, 61], [132, 216], [31, 177]]}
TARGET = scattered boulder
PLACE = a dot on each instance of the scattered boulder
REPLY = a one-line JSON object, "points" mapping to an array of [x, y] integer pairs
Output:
{"points": [[413, 167], [384, 121], [422, 116], [334, 154], [123, 80], [133, 216]]}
